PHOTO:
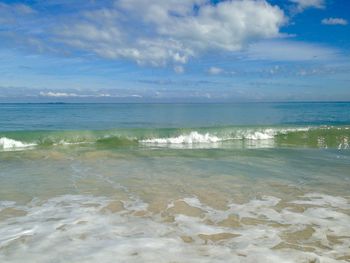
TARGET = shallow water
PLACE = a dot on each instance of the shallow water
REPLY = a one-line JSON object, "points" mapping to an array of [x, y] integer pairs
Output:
{"points": [[195, 192]]}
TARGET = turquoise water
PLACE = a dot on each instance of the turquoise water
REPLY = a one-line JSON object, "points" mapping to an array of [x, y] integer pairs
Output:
{"points": [[252, 182], [111, 116]]}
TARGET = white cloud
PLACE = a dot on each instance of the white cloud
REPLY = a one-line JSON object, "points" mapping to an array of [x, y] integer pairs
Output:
{"points": [[215, 70], [71, 95], [304, 4], [164, 32], [284, 50], [226, 26], [23, 9], [16, 9], [57, 94], [9, 13], [334, 21]]}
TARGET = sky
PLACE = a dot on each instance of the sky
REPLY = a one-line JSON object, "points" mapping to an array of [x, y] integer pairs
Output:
{"points": [[174, 50]]}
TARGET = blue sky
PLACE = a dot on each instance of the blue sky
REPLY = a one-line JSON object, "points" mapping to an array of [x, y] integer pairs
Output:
{"points": [[174, 50]]}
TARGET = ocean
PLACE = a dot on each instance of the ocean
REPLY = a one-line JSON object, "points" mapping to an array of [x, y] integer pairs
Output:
{"points": [[240, 182]]}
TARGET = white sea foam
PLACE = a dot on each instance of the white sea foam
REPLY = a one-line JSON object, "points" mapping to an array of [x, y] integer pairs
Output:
{"points": [[192, 137], [265, 134], [260, 136], [75, 228], [344, 143], [323, 200], [63, 142], [195, 137], [10, 144]]}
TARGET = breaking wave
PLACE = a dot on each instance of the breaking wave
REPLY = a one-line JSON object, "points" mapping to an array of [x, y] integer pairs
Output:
{"points": [[10, 144], [192, 137], [319, 137]]}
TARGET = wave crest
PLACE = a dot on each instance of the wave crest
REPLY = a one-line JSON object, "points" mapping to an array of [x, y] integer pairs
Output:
{"points": [[10, 144], [192, 137], [315, 137]]}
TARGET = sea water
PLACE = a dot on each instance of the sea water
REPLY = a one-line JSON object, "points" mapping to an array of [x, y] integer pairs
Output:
{"points": [[248, 182]]}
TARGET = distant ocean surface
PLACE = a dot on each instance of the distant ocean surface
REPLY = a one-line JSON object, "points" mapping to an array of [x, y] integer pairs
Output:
{"points": [[243, 182]]}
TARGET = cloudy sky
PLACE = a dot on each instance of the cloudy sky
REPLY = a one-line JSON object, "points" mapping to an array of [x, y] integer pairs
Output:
{"points": [[174, 50]]}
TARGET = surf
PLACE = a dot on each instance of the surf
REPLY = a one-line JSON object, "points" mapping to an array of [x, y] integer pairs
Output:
{"points": [[312, 136]]}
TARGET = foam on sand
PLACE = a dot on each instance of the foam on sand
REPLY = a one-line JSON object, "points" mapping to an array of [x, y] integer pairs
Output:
{"points": [[132, 233]]}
